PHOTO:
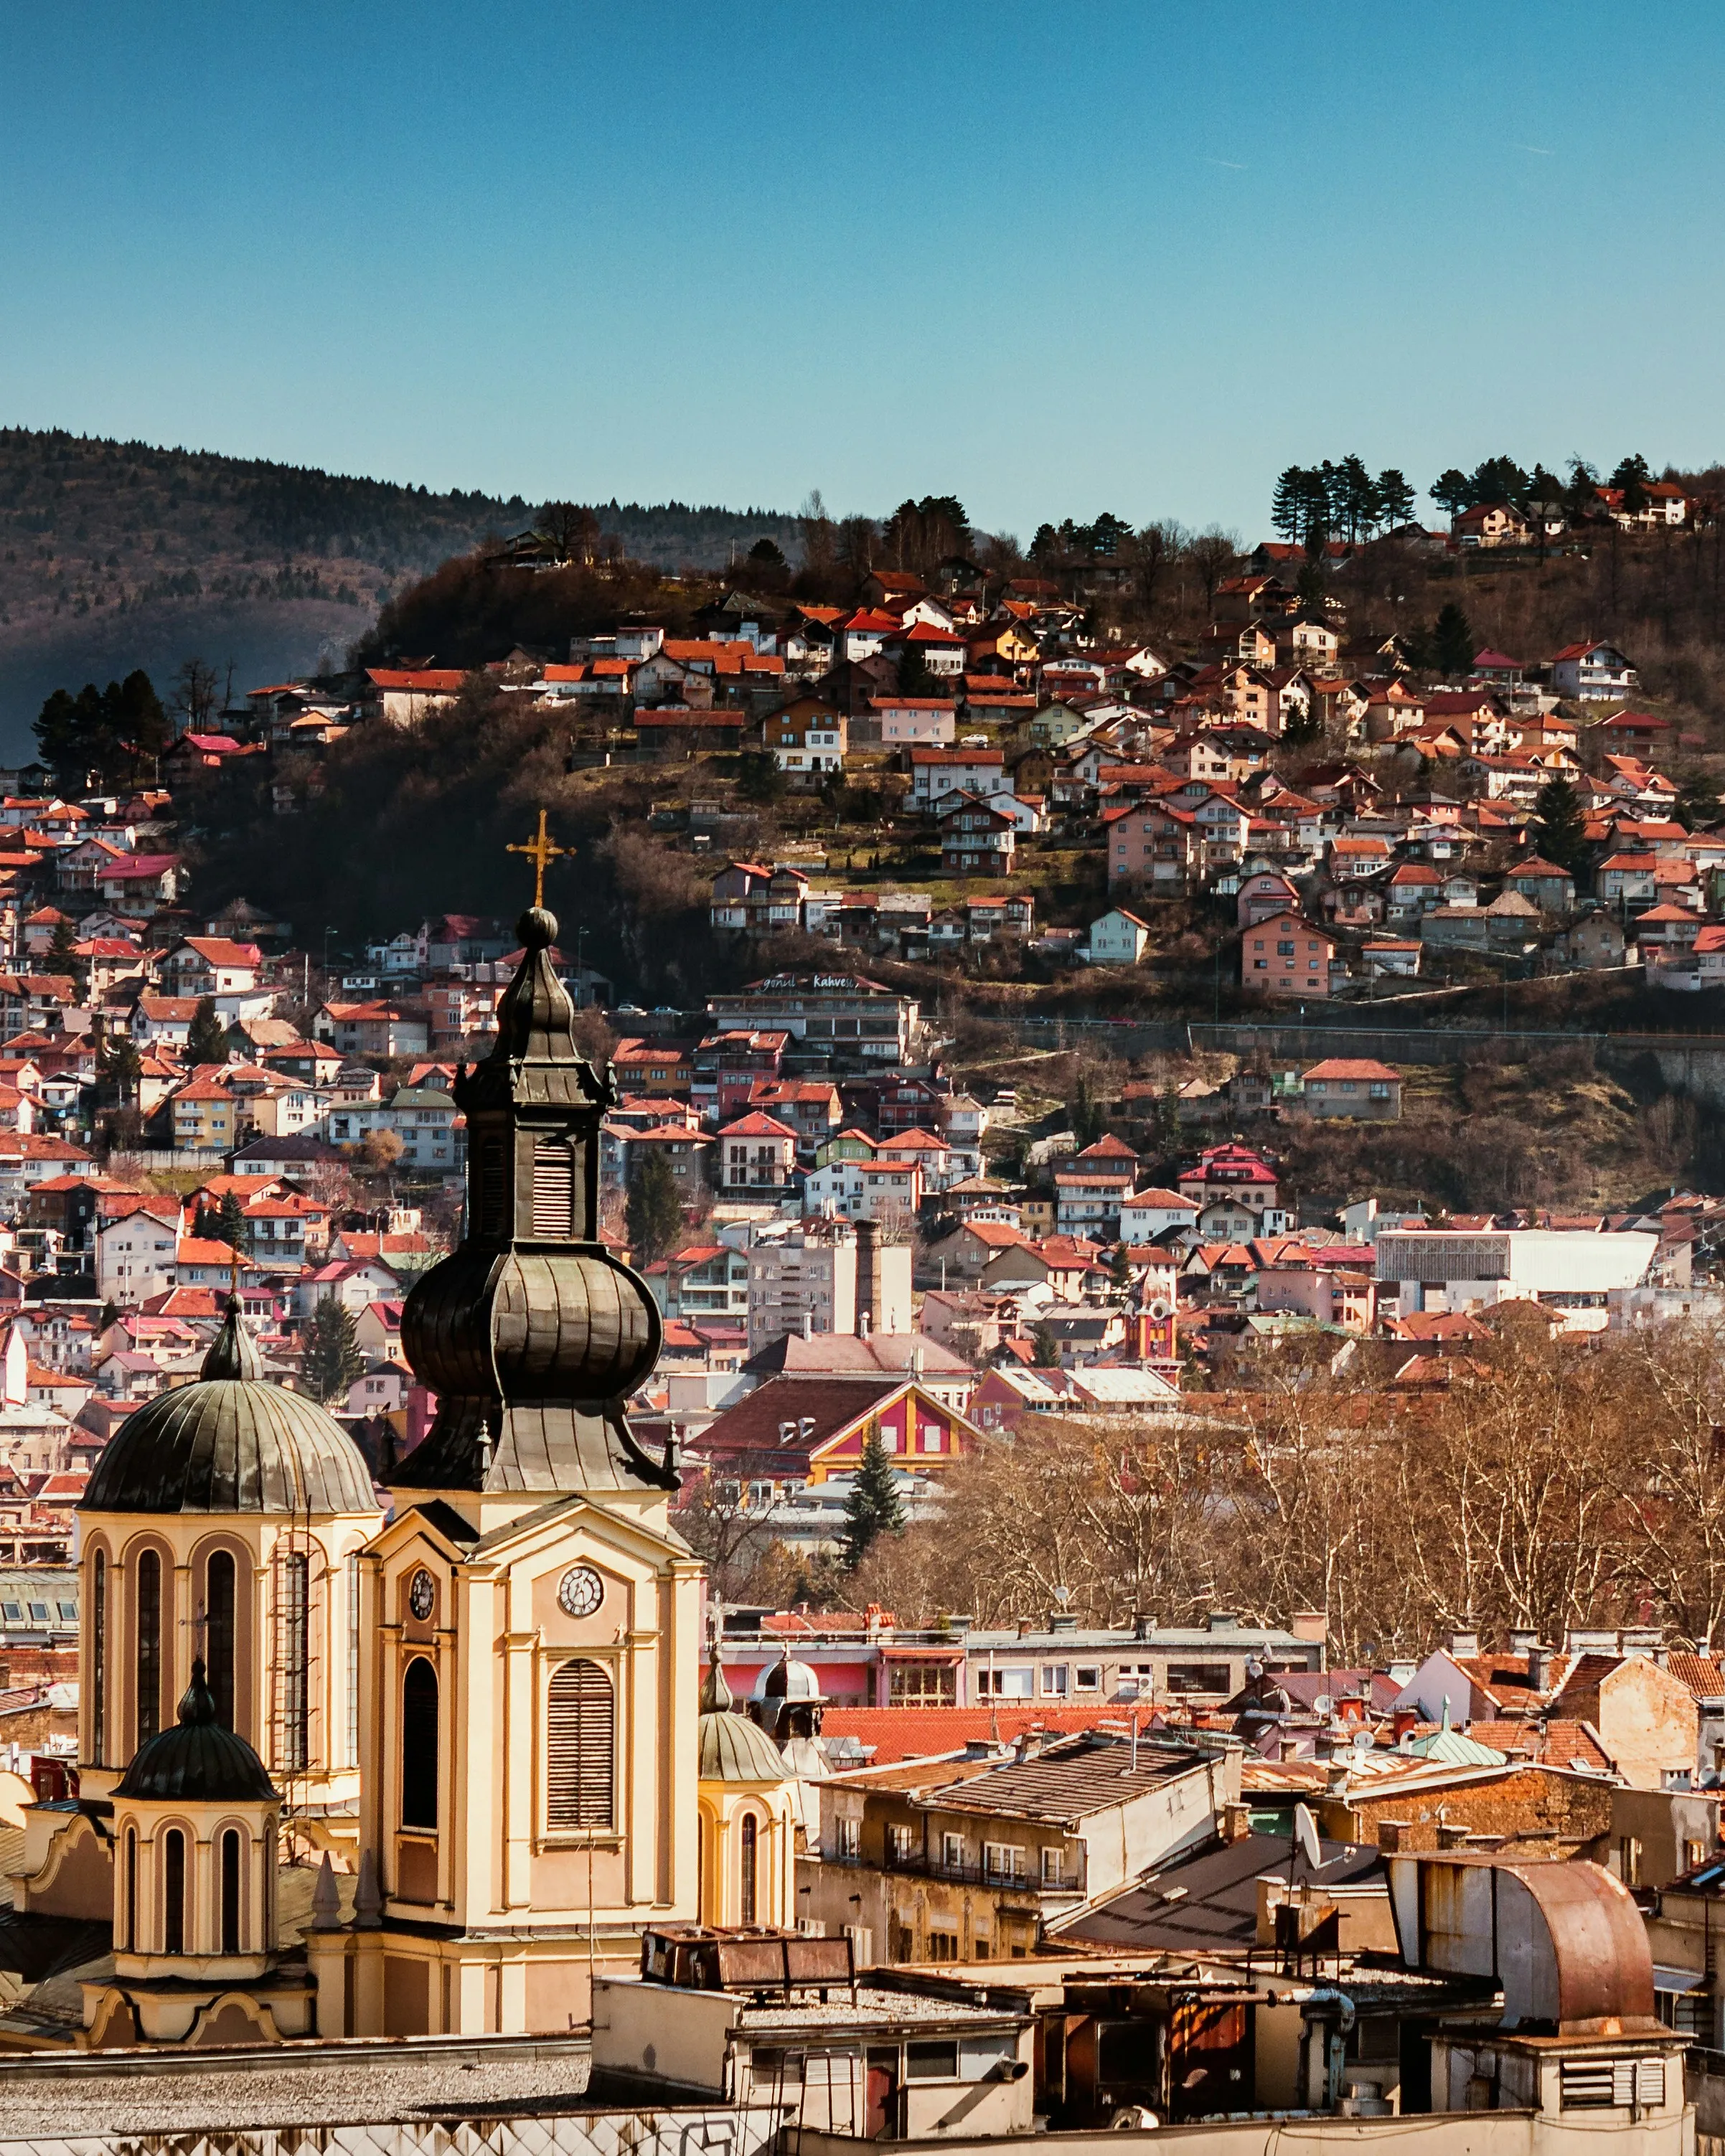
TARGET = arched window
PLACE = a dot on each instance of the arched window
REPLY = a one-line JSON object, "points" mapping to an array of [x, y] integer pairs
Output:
{"points": [[294, 1668], [751, 1835], [351, 1718], [219, 1632], [581, 1740], [419, 1745], [98, 1657], [131, 1889], [230, 1891], [173, 1890], [149, 1644]]}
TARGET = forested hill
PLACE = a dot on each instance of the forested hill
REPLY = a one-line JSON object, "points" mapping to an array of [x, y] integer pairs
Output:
{"points": [[117, 555]]}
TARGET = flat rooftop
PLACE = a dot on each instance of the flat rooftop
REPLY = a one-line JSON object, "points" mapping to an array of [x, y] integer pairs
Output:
{"points": [[49, 2096]]}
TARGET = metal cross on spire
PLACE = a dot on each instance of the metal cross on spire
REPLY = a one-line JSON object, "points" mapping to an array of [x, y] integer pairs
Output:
{"points": [[541, 852]]}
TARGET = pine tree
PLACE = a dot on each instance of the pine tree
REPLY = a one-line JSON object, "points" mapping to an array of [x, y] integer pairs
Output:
{"points": [[1044, 1348], [207, 1040], [1120, 1270], [1452, 644], [230, 1221], [1287, 513], [654, 1211], [1395, 498], [874, 1506], [1453, 490], [1561, 824], [331, 1360]]}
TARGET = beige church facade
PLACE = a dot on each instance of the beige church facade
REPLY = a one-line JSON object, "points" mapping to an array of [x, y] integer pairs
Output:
{"points": [[486, 1705]]}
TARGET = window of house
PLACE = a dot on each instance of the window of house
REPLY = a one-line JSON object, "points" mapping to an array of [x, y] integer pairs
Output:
{"points": [[1004, 1684], [934, 2060], [1087, 1677], [848, 1833], [1199, 1676], [1053, 1866], [1003, 1860], [1054, 1680], [952, 1850], [898, 1845]]}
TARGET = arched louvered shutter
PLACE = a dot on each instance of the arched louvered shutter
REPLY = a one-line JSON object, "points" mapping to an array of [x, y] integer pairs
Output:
{"points": [[580, 1743], [553, 1188]]}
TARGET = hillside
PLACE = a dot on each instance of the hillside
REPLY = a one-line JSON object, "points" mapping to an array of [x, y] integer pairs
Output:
{"points": [[115, 555]]}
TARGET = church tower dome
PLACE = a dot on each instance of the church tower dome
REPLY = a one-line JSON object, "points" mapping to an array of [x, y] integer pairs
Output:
{"points": [[531, 1333]]}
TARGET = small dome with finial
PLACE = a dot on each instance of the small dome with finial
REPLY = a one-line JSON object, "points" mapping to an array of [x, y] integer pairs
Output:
{"points": [[730, 1748], [231, 1442], [198, 1761]]}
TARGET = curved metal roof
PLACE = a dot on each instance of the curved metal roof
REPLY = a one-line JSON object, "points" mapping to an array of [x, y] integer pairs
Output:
{"points": [[730, 1748], [198, 1761], [231, 1442]]}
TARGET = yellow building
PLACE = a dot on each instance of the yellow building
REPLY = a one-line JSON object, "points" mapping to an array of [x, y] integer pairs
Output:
{"points": [[222, 1523], [487, 1709]]}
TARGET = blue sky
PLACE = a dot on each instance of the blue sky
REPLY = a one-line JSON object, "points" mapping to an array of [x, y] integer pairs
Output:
{"points": [[1051, 258]]}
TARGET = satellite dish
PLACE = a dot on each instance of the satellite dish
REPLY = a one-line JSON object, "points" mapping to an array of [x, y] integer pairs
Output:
{"points": [[1362, 1740], [1254, 1667], [1306, 1834], [1323, 1707]]}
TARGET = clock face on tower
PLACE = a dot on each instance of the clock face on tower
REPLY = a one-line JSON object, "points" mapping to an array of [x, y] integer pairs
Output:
{"points": [[422, 1595], [580, 1591]]}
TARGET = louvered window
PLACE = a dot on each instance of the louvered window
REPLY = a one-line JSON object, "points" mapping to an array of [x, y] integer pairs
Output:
{"points": [[553, 1188], [581, 1742], [494, 1187]]}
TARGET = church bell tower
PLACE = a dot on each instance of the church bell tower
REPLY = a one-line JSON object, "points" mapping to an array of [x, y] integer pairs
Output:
{"points": [[530, 1657]]}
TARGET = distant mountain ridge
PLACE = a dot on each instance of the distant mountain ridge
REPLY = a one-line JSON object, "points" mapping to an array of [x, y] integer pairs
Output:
{"points": [[122, 554]]}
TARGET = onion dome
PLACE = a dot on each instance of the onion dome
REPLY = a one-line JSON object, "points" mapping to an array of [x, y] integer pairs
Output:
{"points": [[728, 1747], [197, 1761], [231, 1442], [793, 1682], [531, 1334]]}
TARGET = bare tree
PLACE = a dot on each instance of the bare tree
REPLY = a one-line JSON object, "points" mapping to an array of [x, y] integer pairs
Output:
{"points": [[1212, 554], [195, 695]]}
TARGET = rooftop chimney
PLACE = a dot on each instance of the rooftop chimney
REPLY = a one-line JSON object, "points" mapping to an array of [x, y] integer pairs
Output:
{"points": [[1143, 1626], [1462, 1643]]}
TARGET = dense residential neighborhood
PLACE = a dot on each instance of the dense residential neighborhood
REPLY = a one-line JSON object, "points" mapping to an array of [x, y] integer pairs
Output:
{"points": [[977, 1182]]}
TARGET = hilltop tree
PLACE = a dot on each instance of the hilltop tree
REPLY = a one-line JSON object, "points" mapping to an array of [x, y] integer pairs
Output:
{"points": [[1395, 498], [1498, 479], [1451, 490], [1355, 497], [655, 1210], [1211, 555], [874, 1506], [108, 731], [332, 1359], [1452, 644], [195, 687], [207, 1039], [1561, 825]]}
